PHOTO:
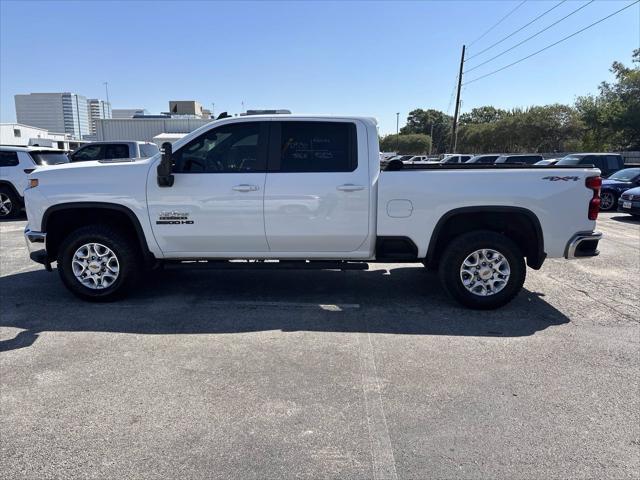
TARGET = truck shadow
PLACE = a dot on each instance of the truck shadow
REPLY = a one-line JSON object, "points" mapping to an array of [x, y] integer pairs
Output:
{"points": [[406, 300], [626, 219]]}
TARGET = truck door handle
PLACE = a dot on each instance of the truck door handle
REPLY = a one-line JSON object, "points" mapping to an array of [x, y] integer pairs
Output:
{"points": [[245, 188], [350, 187]]}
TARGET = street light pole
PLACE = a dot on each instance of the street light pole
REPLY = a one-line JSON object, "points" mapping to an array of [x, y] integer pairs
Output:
{"points": [[397, 131], [106, 89]]}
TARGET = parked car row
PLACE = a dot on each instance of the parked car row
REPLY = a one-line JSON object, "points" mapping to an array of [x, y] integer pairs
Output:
{"points": [[17, 162], [629, 202]]}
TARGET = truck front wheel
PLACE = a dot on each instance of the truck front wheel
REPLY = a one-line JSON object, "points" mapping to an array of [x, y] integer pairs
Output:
{"points": [[97, 263], [482, 269]]}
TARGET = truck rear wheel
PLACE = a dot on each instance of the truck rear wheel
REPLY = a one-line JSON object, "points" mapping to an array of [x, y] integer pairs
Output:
{"points": [[98, 263], [482, 269]]}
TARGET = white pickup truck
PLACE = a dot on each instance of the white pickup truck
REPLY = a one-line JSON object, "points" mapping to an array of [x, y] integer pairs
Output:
{"points": [[308, 189]]}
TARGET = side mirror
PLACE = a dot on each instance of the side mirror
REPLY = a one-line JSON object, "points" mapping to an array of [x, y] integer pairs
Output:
{"points": [[165, 178]]}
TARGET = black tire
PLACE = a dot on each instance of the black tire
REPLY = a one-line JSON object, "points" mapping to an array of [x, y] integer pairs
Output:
{"points": [[463, 246], [11, 204], [605, 206], [125, 250]]}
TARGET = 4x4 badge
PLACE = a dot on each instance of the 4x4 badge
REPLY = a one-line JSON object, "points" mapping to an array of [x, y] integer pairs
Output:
{"points": [[564, 179]]}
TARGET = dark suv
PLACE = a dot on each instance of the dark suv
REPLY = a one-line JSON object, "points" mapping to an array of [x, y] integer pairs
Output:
{"points": [[608, 163]]}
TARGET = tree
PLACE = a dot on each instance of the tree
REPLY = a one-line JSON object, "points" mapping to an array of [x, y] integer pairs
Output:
{"points": [[420, 121], [414, 144], [613, 116], [482, 115]]}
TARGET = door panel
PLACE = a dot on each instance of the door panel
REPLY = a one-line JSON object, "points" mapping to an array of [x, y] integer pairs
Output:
{"points": [[215, 205], [205, 213], [317, 193]]}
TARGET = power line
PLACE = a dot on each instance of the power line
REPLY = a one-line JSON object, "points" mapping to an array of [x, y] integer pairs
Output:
{"points": [[453, 92], [553, 44], [518, 30], [529, 38], [499, 22]]}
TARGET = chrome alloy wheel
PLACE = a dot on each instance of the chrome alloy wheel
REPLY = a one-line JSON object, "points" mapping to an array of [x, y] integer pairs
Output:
{"points": [[485, 272], [606, 200], [95, 266], [5, 205]]}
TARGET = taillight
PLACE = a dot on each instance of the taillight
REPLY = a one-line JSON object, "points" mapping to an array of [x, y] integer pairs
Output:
{"points": [[594, 183]]}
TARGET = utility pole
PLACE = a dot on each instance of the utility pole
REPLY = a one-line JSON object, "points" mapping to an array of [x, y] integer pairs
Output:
{"points": [[454, 134], [397, 131], [213, 110], [431, 144]]}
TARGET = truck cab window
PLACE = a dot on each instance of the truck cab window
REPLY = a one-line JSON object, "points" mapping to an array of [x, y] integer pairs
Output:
{"points": [[226, 149], [117, 150], [90, 152], [317, 147]]}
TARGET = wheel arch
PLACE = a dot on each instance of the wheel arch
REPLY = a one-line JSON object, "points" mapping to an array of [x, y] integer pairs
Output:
{"points": [[59, 220], [11, 186], [517, 223]]}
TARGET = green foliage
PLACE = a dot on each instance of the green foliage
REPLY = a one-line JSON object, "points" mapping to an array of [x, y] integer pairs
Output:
{"points": [[483, 115], [608, 121], [613, 116], [421, 121], [547, 128], [415, 144]]}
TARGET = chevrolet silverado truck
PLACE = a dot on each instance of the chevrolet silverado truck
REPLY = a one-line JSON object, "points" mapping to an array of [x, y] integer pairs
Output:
{"points": [[306, 190]]}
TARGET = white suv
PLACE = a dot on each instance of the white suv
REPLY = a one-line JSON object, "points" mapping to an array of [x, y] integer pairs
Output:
{"points": [[16, 163]]}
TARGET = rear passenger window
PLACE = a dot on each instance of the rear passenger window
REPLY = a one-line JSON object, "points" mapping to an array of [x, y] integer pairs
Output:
{"points": [[598, 162], [613, 162], [316, 147], [116, 150], [8, 159]]}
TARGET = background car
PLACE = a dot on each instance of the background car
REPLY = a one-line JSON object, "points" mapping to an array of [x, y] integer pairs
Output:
{"points": [[113, 150], [519, 159], [485, 159], [615, 185], [608, 163], [16, 163], [629, 202], [548, 161], [455, 158]]}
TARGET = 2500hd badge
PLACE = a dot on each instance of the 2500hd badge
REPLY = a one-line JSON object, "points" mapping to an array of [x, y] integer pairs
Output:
{"points": [[174, 218]]}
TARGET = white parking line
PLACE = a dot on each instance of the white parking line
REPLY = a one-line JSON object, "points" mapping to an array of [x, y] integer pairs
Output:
{"points": [[324, 306], [384, 464]]}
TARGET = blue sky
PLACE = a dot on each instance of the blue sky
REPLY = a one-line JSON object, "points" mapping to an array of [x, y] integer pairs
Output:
{"points": [[365, 58]]}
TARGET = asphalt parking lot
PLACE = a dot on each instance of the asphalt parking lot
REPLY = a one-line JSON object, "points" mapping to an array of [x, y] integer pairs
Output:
{"points": [[323, 374]]}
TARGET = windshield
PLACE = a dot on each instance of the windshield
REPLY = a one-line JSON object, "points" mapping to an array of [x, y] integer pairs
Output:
{"points": [[49, 158], [569, 160], [625, 175]]}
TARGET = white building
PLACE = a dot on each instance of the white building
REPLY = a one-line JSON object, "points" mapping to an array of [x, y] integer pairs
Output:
{"points": [[24, 135], [144, 129], [57, 112], [128, 112], [97, 109]]}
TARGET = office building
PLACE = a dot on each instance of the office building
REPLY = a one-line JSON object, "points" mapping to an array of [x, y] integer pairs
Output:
{"points": [[97, 109], [118, 113], [63, 112]]}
